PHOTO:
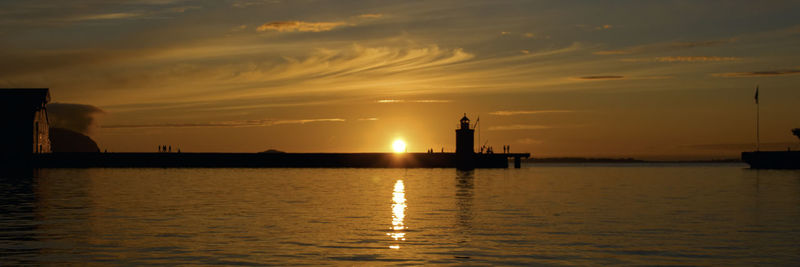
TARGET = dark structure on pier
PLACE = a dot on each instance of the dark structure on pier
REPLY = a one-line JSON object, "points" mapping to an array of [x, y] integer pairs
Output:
{"points": [[25, 124], [774, 159], [464, 158]]}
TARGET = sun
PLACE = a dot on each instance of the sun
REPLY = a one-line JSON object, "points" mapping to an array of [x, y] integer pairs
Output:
{"points": [[399, 146]]}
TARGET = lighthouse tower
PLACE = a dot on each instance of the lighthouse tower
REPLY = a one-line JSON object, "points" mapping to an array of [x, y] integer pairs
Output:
{"points": [[465, 138]]}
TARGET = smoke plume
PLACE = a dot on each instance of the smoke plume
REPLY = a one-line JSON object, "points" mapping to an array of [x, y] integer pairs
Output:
{"points": [[75, 117]]}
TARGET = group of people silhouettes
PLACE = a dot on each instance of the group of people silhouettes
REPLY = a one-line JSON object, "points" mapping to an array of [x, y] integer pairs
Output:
{"points": [[167, 149], [490, 150]]}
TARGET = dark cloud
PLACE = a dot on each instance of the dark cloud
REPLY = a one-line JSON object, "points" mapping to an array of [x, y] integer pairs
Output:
{"points": [[76, 117], [663, 47], [22, 61], [759, 73], [602, 77], [57, 13], [242, 123]]}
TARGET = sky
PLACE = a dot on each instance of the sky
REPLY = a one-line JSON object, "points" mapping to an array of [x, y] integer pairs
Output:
{"points": [[645, 79]]}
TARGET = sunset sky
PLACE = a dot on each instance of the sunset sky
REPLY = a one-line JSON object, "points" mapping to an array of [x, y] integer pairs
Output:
{"points": [[647, 79]]}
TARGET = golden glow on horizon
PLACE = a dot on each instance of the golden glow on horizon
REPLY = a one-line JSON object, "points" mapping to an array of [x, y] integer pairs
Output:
{"points": [[398, 213], [399, 146]]}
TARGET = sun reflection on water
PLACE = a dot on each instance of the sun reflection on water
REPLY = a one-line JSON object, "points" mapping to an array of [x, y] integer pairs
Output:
{"points": [[398, 213]]}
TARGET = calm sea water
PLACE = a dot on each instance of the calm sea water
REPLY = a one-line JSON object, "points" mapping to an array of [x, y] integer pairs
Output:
{"points": [[551, 215]]}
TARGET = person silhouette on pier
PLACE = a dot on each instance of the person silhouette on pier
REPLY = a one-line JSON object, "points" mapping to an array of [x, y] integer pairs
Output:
{"points": [[170, 149]]}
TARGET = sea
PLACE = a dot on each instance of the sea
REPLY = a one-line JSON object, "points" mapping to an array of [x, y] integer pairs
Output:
{"points": [[541, 215]]}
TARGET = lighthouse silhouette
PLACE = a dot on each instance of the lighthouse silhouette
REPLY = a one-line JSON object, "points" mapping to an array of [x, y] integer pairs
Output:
{"points": [[465, 138]]}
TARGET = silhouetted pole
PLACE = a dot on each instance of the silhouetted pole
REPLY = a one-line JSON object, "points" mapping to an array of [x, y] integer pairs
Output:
{"points": [[758, 123], [477, 125]]}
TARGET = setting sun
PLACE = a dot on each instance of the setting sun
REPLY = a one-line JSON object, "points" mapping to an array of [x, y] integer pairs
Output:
{"points": [[399, 146]]}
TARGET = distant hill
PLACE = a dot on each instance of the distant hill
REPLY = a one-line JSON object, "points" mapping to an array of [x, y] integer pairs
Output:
{"points": [[623, 160], [63, 140], [581, 160], [272, 151]]}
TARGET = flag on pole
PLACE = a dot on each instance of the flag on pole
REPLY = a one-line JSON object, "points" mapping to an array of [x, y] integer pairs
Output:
{"points": [[756, 94]]}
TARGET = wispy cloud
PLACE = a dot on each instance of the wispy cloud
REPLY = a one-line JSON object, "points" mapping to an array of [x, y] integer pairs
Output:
{"points": [[241, 123], [371, 16], [526, 112], [602, 77], [662, 47], [299, 26], [518, 127], [307, 26], [390, 101], [368, 119], [604, 27], [250, 3], [524, 35], [682, 59], [759, 73], [528, 141], [107, 16]]}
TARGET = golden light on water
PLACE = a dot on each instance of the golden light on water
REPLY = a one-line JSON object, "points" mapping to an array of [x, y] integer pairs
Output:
{"points": [[398, 213], [399, 146]]}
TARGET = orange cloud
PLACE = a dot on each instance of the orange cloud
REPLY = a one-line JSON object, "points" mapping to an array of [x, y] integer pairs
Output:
{"points": [[525, 112], [370, 16], [107, 16], [306, 26], [388, 101], [604, 27], [528, 141], [518, 127], [681, 59], [601, 77], [299, 26], [695, 59]]}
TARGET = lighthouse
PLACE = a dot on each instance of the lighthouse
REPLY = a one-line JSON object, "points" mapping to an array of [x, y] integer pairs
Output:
{"points": [[465, 138]]}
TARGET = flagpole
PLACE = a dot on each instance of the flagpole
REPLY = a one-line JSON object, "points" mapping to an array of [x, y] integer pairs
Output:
{"points": [[758, 128], [758, 123]]}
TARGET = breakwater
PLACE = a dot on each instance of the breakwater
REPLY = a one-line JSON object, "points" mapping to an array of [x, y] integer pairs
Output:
{"points": [[274, 160]]}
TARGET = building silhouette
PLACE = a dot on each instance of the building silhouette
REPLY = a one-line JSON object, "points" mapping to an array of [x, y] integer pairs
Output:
{"points": [[25, 124]]}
